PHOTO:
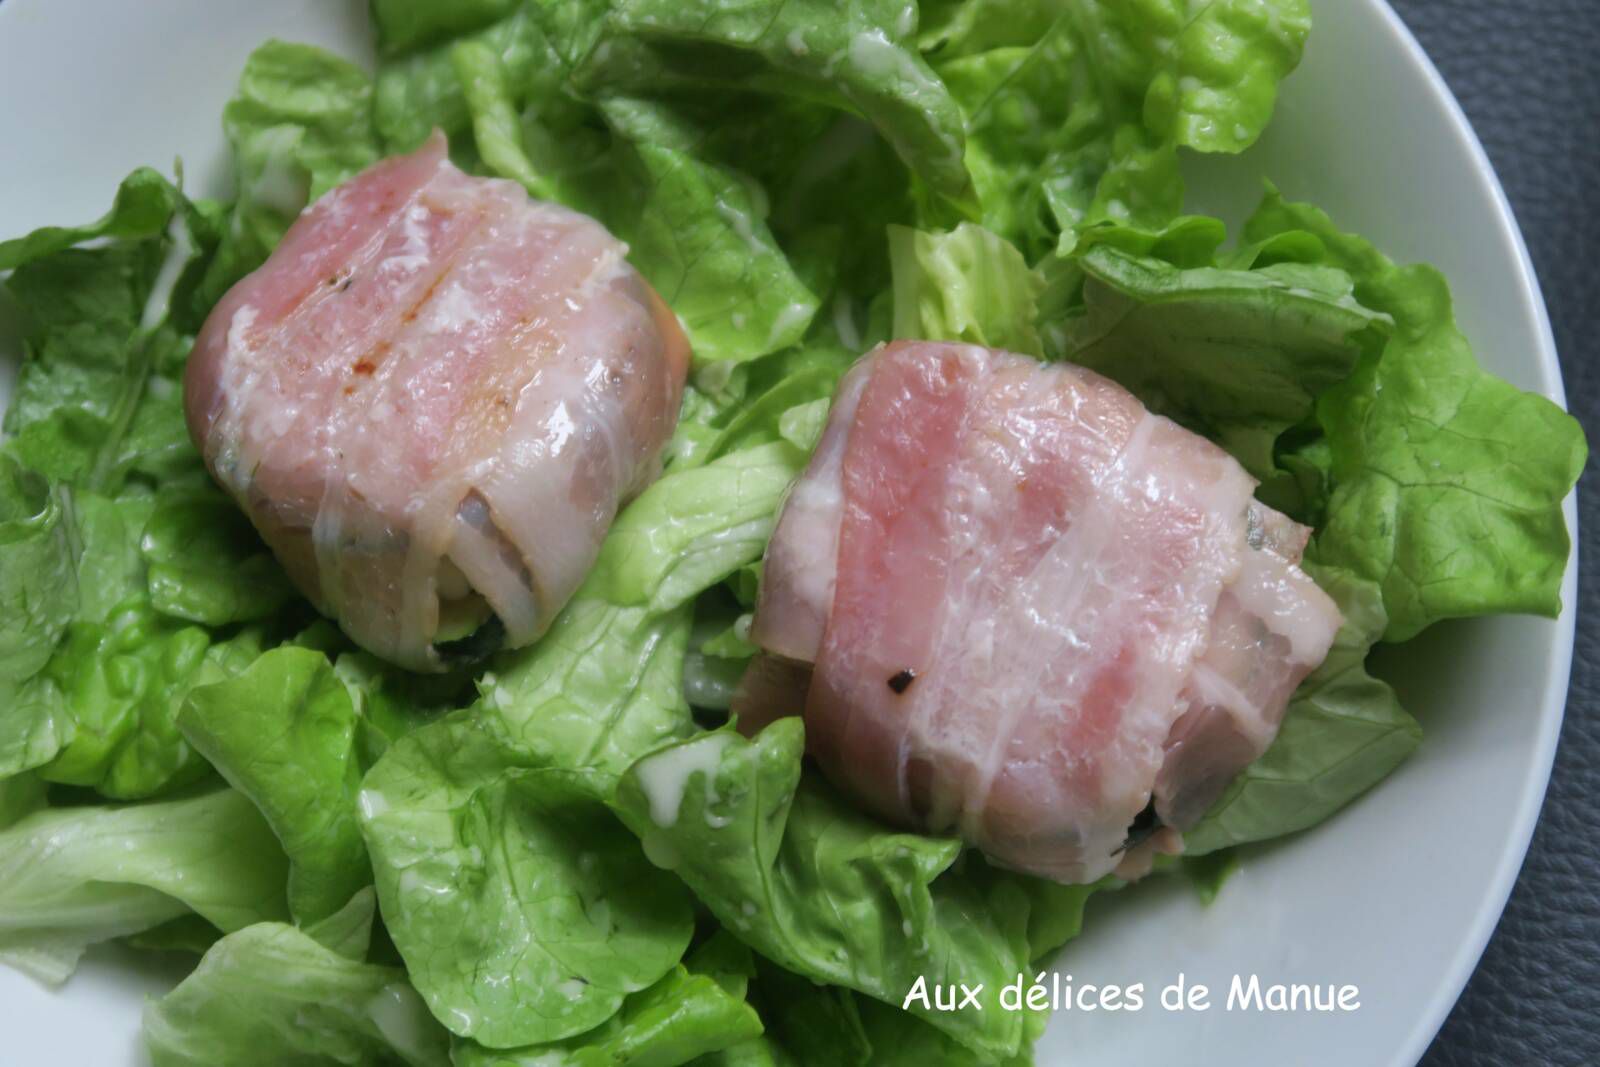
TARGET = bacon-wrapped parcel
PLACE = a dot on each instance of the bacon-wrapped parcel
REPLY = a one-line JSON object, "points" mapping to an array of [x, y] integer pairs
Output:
{"points": [[1013, 604], [431, 401]]}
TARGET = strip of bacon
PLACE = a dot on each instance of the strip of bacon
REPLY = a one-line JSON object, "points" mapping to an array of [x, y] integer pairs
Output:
{"points": [[432, 399], [1023, 609]]}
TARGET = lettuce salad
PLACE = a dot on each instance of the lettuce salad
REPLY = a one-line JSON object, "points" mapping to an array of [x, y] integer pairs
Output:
{"points": [[565, 856]]}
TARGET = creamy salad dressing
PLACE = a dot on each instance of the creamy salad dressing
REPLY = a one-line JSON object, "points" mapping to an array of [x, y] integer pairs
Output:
{"points": [[665, 776], [180, 250]]}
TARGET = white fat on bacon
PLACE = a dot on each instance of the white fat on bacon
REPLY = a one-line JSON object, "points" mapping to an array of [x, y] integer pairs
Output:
{"points": [[1013, 604], [432, 399]]}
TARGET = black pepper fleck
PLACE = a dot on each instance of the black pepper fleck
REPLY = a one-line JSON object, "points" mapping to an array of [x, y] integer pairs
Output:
{"points": [[1144, 824], [902, 680]]}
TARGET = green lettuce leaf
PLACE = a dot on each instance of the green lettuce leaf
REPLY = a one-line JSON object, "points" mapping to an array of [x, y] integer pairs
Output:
{"points": [[187, 934], [757, 1052], [947, 29], [20, 794], [820, 889], [423, 90], [299, 124], [38, 589], [271, 994], [697, 1010], [98, 413], [102, 712], [901, 1039], [814, 1023], [695, 527], [1077, 120], [1054, 912], [719, 651], [99, 397], [283, 732], [524, 912], [404, 25], [793, 411], [966, 285], [71, 877], [496, 127], [1045, 151], [1217, 65], [698, 232], [205, 563], [1343, 732], [858, 55], [834, 185], [463, 816], [696, 225], [1239, 355], [605, 685], [144, 204], [348, 931], [1448, 481], [115, 689], [389, 702]]}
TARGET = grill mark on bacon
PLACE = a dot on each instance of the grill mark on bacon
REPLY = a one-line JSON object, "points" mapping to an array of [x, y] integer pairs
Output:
{"points": [[410, 314], [385, 352]]}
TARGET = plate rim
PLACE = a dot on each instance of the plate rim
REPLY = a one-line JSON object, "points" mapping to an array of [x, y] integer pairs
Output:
{"points": [[1558, 667], [1494, 894]]}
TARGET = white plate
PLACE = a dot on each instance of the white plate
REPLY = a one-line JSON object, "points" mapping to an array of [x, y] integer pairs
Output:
{"points": [[1397, 895]]}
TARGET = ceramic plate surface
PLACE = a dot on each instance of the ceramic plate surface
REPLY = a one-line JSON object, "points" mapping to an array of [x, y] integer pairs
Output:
{"points": [[1397, 895]]}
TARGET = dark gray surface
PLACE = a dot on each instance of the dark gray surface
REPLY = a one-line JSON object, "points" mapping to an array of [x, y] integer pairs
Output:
{"points": [[1527, 73]]}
